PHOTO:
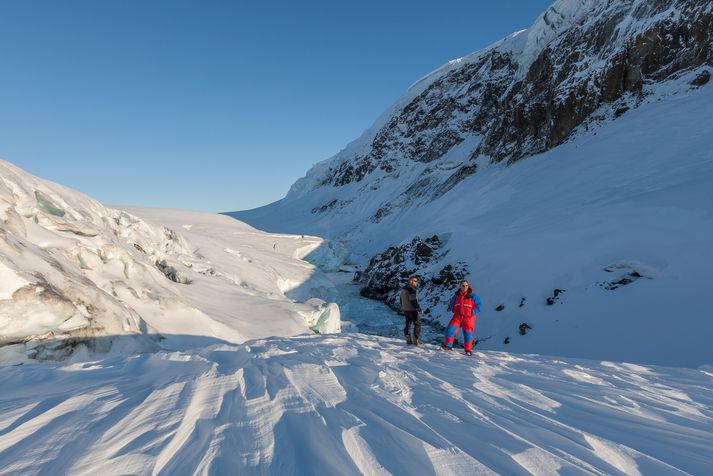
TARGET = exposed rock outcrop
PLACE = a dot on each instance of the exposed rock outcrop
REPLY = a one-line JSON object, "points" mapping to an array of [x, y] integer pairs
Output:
{"points": [[388, 272], [581, 62]]}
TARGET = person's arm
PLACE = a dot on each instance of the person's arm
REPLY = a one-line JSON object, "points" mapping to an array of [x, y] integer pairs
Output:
{"points": [[450, 304], [476, 309]]}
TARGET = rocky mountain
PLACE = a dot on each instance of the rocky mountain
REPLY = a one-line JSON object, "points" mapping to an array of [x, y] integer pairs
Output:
{"points": [[541, 163], [526, 94]]}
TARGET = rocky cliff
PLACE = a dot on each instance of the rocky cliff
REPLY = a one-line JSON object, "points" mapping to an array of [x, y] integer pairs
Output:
{"points": [[583, 61]]}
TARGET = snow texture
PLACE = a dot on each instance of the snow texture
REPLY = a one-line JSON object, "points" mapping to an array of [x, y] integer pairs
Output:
{"points": [[352, 404]]}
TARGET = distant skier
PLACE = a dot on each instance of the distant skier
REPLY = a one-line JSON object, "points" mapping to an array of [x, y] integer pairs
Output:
{"points": [[464, 306], [412, 310]]}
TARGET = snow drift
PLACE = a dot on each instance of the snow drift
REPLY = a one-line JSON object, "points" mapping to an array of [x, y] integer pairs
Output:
{"points": [[352, 404]]}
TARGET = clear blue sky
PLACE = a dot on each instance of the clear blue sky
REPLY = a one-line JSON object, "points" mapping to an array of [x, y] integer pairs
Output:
{"points": [[215, 105]]}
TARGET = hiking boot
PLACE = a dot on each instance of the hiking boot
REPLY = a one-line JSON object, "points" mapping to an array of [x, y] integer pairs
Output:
{"points": [[408, 340], [445, 347], [467, 352], [417, 342]]}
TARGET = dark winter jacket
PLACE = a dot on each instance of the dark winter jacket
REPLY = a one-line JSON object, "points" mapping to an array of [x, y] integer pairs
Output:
{"points": [[409, 299]]}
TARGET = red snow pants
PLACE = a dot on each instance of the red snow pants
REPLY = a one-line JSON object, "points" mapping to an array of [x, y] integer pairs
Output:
{"points": [[467, 322]]}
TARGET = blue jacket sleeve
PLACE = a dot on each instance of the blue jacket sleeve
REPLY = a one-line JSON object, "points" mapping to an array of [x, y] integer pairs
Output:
{"points": [[477, 304]]}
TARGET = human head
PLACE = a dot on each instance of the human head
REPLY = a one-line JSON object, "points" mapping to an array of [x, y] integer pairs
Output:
{"points": [[464, 284], [413, 281]]}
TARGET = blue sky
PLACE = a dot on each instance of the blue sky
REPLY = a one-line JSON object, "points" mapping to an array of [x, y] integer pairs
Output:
{"points": [[215, 105]]}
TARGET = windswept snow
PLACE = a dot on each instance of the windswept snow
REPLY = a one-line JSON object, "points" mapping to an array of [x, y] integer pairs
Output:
{"points": [[352, 404]]}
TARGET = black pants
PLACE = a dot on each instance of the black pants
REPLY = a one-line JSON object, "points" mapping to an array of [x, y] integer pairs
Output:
{"points": [[415, 318]]}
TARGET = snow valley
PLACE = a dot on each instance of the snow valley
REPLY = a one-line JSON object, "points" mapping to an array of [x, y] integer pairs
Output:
{"points": [[566, 170], [158, 341], [229, 364]]}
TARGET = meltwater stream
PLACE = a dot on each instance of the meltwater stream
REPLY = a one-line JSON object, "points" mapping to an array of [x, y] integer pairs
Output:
{"points": [[358, 313], [367, 316]]}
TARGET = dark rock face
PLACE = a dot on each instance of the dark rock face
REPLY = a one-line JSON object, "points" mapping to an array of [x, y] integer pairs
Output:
{"points": [[460, 174], [622, 281], [555, 296], [702, 79], [325, 207], [331, 205], [388, 272], [541, 111], [353, 171], [599, 60]]}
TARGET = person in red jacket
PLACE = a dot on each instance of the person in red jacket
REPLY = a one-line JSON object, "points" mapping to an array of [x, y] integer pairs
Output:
{"points": [[465, 304]]}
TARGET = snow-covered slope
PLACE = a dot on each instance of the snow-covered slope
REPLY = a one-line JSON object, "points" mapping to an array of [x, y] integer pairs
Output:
{"points": [[611, 103], [306, 404], [348, 405], [72, 269]]}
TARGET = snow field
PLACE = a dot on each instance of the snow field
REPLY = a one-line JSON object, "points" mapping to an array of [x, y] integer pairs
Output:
{"points": [[352, 404], [256, 284]]}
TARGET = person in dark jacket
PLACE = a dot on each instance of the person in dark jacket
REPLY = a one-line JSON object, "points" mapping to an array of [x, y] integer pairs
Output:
{"points": [[412, 310], [464, 305]]}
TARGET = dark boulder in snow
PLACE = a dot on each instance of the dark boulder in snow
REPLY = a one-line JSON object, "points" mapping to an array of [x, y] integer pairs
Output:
{"points": [[702, 79], [555, 296]]}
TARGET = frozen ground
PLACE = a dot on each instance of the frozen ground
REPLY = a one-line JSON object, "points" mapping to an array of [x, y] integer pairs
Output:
{"points": [[351, 404]]}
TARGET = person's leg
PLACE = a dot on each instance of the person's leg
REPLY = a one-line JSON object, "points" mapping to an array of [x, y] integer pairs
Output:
{"points": [[468, 338], [451, 332], [416, 328], [407, 328], [468, 334]]}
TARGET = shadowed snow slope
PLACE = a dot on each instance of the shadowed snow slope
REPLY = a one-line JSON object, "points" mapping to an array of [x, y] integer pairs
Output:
{"points": [[351, 404], [72, 268], [622, 199]]}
